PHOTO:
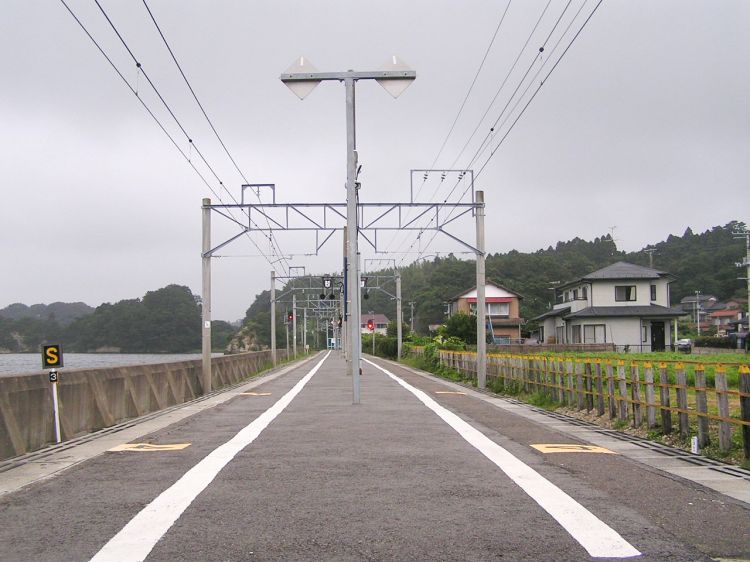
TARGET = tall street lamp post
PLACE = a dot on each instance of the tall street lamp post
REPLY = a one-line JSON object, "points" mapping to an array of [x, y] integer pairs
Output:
{"points": [[302, 78]]}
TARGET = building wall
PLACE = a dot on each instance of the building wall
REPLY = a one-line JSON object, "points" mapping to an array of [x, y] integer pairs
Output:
{"points": [[604, 292], [619, 331], [463, 306]]}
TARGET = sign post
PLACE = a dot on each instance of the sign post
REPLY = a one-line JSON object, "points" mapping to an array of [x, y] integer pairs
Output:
{"points": [[52, 357]]}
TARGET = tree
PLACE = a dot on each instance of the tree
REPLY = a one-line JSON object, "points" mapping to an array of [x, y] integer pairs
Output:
{"points": [[462, 326]]}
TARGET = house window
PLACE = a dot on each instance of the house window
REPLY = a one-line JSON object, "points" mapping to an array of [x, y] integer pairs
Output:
{"points": [[594, 333], [576, 334], [560, 334], [624, 293], [498, 309], [645, 333], [575, 294], [585, 293], [653, 292]]}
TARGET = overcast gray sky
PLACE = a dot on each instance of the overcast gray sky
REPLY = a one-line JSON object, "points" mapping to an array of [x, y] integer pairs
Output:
{"points": [[643, 126]]}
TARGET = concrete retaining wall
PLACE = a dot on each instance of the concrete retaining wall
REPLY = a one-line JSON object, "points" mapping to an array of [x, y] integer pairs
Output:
{"points": [[91, 399]]}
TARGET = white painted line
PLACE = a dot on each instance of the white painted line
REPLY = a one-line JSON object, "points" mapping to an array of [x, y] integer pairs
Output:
{"points": [[598, 538], [136, 539]]}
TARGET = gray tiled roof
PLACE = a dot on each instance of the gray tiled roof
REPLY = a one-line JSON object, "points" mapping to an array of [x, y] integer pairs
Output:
{"points": [[622, 311], [624, 270], [551, 313]]}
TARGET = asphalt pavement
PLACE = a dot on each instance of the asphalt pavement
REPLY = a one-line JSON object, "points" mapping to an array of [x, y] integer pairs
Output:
{"points": [[287, 468]]}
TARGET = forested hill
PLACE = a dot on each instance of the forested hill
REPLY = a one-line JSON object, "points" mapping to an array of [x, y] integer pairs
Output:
{"points": [[704, 262], [167, 320], [61, 312]]}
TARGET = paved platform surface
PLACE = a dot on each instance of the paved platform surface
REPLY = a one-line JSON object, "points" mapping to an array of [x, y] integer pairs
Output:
{"points": [[286, 468]]}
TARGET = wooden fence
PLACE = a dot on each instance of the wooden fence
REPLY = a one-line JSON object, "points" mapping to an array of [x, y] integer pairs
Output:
{"points": [[707, 399]]}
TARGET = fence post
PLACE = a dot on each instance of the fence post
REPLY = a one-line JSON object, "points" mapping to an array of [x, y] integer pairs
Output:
{"points": [[623, 388], [569, 366], [648, 379], [579, 385], [701, 405], [725, 430], [588, 386], [612, 403], [682, 404], [635, 388], [599, 388], [553, 378], [666, 413], [744, 386]]}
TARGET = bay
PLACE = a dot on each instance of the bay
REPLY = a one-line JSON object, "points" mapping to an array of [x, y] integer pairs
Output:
{"points": [[31, 363]]}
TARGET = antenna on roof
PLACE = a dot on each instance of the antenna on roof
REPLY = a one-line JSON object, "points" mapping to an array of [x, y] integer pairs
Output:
{"points": [[650, 252], [612, 237]]}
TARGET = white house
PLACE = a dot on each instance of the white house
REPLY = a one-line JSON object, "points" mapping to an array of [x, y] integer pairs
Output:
{"points": [[624, 304]]}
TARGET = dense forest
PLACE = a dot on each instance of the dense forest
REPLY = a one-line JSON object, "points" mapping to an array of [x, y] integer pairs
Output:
{"points": [[704, 262], [169, 319]]}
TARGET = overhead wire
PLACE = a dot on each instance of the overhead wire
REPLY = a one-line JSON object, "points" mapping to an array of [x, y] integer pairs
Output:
{"points": [[471, 86], [503, 83], [500, 142], [135, 92], [583, 25], [488, 138], [458, 115], [489, 107], [274, 243]]}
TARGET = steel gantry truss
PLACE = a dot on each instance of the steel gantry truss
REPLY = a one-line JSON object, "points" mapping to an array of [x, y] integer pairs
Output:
{"points": [[327, 218]]}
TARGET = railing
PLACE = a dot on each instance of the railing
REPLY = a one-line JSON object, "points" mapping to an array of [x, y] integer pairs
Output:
{"points": [[710, 400], [92, 399]]}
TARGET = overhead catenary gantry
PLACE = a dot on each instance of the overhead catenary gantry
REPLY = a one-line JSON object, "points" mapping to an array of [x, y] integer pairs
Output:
{"points": [[353, 217]]}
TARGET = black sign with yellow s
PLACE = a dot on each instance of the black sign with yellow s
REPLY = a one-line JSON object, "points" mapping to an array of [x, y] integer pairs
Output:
{"points": [[52, 356]]}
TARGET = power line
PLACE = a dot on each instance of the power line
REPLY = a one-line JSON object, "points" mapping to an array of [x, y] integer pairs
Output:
{"points": [[534, 95], [458, 115], [274, 243], [148, 109], [489, 107], [473, 82], [505, 80], [177, 121], [497, 93], [488, 140], [488, 137], [539, 87]]}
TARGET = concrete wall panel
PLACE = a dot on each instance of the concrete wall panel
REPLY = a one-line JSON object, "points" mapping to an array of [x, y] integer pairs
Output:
{"points": [[92, 399]]}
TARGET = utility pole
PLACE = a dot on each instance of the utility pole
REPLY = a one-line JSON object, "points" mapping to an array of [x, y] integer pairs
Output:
{"points": [[304, 334], [294, 324], [399, 318], [273, 318], [206, 298], [650, 252], [746, 264], [481, 306], [411, 304], [698, 313]]}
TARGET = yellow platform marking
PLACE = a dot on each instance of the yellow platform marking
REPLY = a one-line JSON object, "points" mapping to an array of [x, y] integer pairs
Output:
{"points": [[255, 393], [570, 448], [450, 392], [150, 447]]}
